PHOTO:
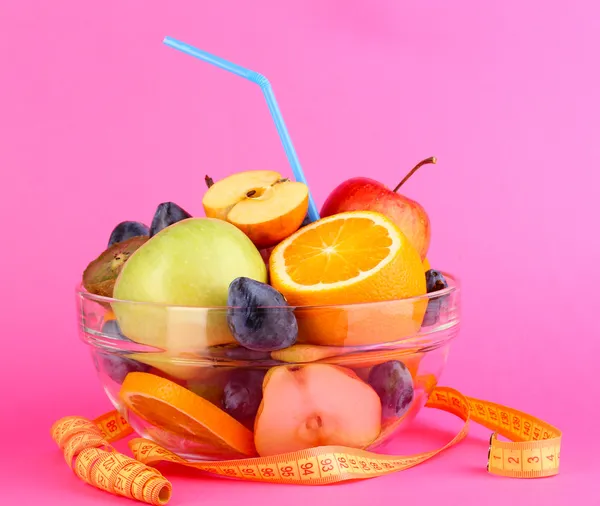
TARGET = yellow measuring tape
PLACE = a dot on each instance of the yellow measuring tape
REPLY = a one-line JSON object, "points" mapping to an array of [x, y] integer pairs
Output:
{"points": [[532, 452]]}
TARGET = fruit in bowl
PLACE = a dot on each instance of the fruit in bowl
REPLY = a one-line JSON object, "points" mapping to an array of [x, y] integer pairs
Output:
{"points": [[188, 264], [216, 351], [264, 205], [347, 259], [362, 193], [315, 405]]}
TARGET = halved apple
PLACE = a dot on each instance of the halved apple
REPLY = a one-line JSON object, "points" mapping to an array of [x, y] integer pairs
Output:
{"points": [[310, 405], [261, 203]]}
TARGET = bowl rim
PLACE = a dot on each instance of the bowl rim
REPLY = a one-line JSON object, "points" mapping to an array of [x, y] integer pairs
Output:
{"points": [[454, 286]]}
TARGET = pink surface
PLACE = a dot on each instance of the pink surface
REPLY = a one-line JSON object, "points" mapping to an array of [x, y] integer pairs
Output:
{"points": [[99, 122]]}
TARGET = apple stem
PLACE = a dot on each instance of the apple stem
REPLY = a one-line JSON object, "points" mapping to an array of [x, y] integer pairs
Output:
{"points": [[209, 181], [431, 159]]}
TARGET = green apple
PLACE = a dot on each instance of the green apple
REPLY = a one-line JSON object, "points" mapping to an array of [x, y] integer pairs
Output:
{"points": [[173, 280], [190, 263]]}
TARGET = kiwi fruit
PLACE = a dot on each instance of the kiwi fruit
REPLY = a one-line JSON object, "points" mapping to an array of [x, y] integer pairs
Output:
{"points": [[100, 275]]}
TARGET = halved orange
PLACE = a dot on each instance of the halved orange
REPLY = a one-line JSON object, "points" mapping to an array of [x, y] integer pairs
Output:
{"points": [[358, 256], [348, 258], [180, 412]]}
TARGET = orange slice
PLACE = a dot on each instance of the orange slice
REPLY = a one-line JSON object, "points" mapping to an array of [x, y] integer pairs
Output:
{"points": [[348, 258], [179, 412]]}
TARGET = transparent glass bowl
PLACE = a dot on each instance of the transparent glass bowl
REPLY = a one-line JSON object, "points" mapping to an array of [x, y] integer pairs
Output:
{"points": [[344, 381]]}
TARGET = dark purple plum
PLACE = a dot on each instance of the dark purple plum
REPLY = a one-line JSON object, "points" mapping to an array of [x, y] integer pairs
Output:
{"points": [[118, 367], [435, 282], [243, 393], [394, 385], [167, 214], [259, 317], [126, 230]]}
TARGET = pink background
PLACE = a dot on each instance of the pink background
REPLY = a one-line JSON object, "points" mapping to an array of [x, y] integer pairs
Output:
{"points": [[99, 122]]}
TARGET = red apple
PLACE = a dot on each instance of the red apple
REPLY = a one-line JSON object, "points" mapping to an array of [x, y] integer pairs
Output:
{"points": [[364, 194]]}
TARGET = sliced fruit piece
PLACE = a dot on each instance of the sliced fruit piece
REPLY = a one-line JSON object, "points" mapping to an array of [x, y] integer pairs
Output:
{"points": [[261, 203], [100, 275], [350, 258], [315, 405], [181, 445], [361, 362], [178, 411], [426, 265], [375, 357], [234, 352], [233, 189], [300, 353]]}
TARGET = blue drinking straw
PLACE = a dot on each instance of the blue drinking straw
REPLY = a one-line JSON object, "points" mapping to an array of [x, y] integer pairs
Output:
{"points": [[265, 86]]}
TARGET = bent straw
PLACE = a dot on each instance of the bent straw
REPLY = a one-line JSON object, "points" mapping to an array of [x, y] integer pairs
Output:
{"points": [[267, 90]]}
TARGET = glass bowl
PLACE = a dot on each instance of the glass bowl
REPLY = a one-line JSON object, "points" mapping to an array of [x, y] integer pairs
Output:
{"points": [[355, 377]]}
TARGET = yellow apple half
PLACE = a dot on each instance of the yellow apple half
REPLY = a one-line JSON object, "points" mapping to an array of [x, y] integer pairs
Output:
{"points": [[261, 203]]}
